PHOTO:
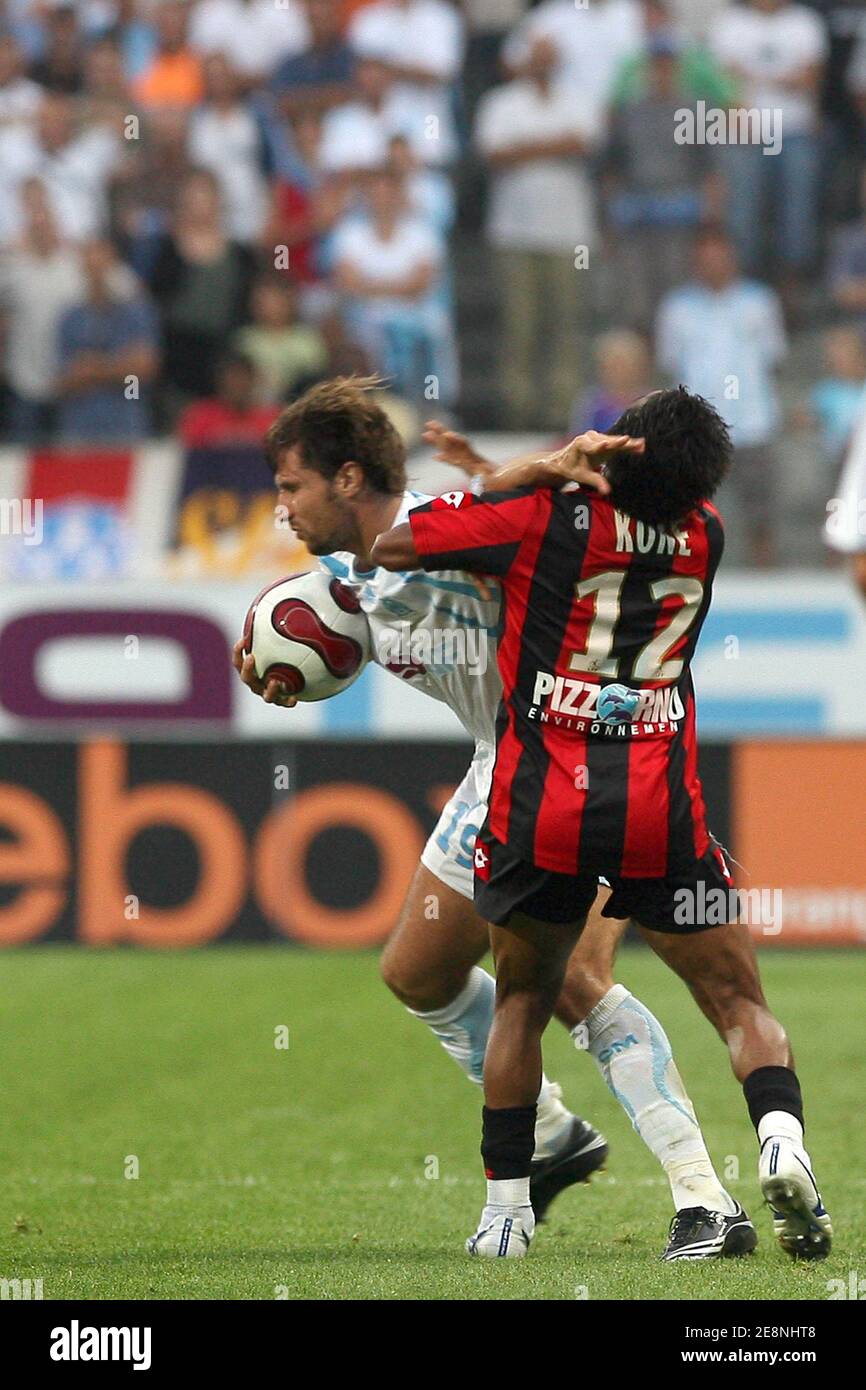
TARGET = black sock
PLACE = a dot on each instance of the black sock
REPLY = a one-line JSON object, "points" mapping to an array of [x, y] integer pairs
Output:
{"points": [[508, 1141], [773, 1088]]}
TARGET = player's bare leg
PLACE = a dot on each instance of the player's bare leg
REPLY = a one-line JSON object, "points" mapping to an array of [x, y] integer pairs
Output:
{"points": [[721, 970], [531, 959], [431, 964], [631, 1050], [589, 973], [438, 940]]}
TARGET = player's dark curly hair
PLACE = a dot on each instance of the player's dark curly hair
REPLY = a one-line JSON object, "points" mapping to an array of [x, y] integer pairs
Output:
{"points": [[339, 422], [688, 453]]}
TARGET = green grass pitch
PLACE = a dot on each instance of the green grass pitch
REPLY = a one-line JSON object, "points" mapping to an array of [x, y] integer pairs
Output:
{"points": [[346, 1165]]}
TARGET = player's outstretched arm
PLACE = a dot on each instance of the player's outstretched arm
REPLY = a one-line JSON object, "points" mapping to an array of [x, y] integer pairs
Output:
{"points": [[455, 449], [580, 461], [273, 692], [395, 549]]}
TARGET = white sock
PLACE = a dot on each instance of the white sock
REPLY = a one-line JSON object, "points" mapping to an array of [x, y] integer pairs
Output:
{"points": [[634, 1056], [552, 1119], [463, 1027], [780, 1124], [508, 1192]]}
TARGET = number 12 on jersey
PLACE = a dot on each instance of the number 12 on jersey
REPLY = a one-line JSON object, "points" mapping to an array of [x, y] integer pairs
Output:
{"points": [[651, 662]]}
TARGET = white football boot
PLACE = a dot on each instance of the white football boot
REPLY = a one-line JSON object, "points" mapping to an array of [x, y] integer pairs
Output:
{"points": [[800, 1219], [503, 1233]]}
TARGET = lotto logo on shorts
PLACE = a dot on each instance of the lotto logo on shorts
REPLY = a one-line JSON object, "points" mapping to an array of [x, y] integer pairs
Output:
{"points": [[482, 861], [452, 500]]}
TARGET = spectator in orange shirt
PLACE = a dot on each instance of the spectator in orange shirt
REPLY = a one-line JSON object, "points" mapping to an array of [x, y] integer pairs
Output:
{"points": [[174, 78]]}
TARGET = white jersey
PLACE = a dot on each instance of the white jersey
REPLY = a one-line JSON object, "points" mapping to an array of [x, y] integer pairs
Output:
{"points": [[438, 632], [434, 630]]}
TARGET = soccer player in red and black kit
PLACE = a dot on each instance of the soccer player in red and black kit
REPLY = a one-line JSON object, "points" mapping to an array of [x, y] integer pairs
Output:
{"points": [[604, 599]]}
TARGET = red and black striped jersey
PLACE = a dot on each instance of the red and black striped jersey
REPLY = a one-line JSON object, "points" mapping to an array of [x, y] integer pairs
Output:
{"points": [[591, 598]]}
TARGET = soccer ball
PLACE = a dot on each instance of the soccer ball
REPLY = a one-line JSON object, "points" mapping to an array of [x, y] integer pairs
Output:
{"points": [[309, 632]]}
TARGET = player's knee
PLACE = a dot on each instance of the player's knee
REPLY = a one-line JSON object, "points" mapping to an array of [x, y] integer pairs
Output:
{"points": [[399, 977], [528, 995], [525, 1010], [415, 985]]}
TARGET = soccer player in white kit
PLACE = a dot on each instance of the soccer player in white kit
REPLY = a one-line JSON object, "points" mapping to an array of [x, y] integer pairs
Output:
{"points": [[339, 469]]}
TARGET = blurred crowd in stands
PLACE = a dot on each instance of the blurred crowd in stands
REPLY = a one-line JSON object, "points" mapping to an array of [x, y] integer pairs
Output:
{"points": [[205, 205]]}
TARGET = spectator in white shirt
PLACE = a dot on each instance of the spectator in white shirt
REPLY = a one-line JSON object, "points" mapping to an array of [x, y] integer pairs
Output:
{"points": [[591, 43], [226, 137], [541, 221], [421, 41], [256, 34], [40, 278], [776, 51], [355, 136], [75, 168], [723, 336], [389, 266]]}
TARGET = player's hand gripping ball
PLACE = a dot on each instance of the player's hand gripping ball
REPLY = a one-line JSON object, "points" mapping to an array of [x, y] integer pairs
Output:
{"points": [[617, 704], [309, 632]]}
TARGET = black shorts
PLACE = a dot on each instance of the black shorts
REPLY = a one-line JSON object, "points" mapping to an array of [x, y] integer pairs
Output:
{"points": [[691, 901]]}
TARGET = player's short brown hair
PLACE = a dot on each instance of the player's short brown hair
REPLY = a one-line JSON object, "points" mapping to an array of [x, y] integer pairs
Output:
{"points": [[339, 422]]}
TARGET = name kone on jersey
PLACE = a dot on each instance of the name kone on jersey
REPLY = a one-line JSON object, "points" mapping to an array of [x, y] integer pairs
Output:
{"points": [[572, 705]]}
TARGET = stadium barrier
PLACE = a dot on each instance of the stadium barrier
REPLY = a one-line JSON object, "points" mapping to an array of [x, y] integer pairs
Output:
{"points": [[171, 845]]}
